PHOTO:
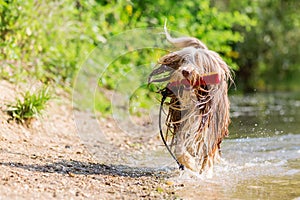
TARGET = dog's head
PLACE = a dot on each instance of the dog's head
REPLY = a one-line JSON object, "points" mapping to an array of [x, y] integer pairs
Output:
{"points": [[193, 65]]}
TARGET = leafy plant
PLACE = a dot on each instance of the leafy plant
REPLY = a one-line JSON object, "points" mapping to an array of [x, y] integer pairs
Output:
{"points": [[29, 106]]}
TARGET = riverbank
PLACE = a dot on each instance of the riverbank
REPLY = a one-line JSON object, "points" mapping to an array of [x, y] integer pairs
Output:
{"points": [[47, 160]]}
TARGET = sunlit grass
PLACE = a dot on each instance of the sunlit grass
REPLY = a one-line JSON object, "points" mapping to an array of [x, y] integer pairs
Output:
{"points": [[29, 106]]}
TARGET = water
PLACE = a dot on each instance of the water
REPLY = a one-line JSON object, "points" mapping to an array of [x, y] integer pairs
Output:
{"points": [[262, 154], [253, 168], [263, 115]]}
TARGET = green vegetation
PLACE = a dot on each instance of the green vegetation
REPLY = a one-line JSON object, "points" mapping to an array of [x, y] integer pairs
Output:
{"points": [[269, 55], [29, 106], [49, 40]]}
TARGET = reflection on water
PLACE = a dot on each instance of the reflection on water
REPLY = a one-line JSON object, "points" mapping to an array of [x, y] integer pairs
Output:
{"points": [[262, 154], [263, 115]]}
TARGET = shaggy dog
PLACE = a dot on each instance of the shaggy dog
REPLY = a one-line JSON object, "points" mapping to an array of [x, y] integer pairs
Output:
{"points": [[194, 81]]}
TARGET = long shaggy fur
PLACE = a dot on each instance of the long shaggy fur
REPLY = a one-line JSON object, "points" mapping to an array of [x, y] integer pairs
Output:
{"points": [[198, 116]]}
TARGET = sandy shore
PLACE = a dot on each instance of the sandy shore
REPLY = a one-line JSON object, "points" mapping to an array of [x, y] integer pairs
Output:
{"points": [[47, 160]]}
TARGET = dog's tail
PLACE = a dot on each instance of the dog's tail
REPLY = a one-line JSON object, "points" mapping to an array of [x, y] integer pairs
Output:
{"points": [[182, 42]]}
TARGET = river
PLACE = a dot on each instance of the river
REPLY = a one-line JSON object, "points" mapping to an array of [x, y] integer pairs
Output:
{"points": [[261, 155]]}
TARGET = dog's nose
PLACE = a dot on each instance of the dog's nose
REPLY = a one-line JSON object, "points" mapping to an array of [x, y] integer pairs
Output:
{"points": [[185, 73]]}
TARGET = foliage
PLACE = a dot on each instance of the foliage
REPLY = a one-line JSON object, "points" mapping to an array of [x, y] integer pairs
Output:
{"points": [[29, 106], [270, 52], [51, 39], [44, 42]]}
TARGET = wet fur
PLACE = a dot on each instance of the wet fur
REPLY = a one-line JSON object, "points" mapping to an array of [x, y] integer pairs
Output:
{"points": [[198, 116]]}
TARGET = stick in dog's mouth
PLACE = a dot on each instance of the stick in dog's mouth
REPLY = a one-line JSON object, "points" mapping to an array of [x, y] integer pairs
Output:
{"points": [[195, 89]]}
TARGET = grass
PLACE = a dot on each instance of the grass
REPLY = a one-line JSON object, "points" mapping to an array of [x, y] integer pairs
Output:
{"points": [[29, 106]]}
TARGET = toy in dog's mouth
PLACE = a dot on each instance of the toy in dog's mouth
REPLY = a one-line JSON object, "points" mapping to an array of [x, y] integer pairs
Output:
{"points": [[194, 86], [206, 79]]}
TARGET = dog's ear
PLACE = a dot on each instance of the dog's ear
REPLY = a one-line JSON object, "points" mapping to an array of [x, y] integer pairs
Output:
{"points": [[182, 42]]}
